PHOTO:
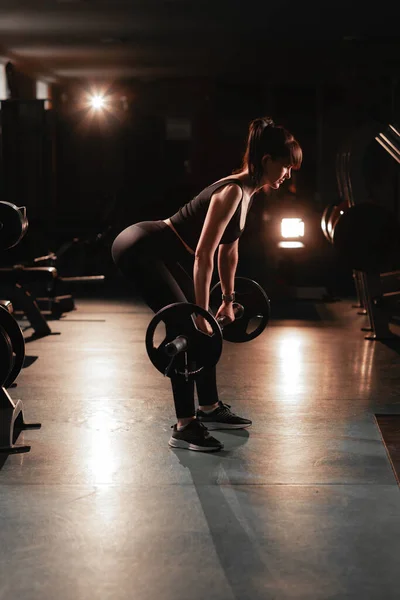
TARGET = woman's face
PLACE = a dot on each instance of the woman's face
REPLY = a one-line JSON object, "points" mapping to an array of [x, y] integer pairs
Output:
{"points": [[275, 172]]}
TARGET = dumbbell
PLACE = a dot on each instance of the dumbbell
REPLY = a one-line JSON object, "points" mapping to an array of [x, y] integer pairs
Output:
{"points": [[186, 350]]}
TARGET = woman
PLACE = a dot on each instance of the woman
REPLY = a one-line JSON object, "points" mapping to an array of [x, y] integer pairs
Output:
{"points": [[153, 254]]}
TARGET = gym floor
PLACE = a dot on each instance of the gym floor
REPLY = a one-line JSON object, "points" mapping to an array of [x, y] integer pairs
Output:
{"points": [[303, 505]]}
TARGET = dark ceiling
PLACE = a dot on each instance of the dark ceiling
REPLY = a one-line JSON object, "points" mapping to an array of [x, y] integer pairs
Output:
{"points": [[150, 39]]}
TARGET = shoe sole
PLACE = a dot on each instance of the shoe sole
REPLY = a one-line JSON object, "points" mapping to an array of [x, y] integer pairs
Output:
{"points": [[215, 425], [189, 446]]}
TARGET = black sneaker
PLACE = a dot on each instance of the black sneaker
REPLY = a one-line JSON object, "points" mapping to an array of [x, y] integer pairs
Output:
{"points": [[222, 418], [194, 436]]}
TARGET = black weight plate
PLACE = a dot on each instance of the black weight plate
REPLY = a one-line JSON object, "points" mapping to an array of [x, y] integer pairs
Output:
{"points": [[367, 237], [326, 215], [6, 356], [256, 306], [13, 225], [203, 350], [335, 215], [16, 336]]}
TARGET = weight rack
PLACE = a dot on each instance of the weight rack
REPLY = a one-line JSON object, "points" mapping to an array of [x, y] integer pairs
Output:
{"points": [[11, 414], [378, 294]]}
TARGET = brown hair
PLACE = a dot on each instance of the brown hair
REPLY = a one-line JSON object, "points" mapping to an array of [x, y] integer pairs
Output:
{"points": [[265, 137]]}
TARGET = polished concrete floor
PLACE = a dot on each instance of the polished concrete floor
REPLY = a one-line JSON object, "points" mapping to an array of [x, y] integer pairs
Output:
{"points": [[304, 505]]}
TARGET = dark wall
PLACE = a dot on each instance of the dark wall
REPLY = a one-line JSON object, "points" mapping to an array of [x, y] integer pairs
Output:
{"points": [[129, 154], [115, 168]]}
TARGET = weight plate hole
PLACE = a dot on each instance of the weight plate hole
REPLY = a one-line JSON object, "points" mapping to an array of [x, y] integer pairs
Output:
{"points": [[159, 335], [253, 323]]}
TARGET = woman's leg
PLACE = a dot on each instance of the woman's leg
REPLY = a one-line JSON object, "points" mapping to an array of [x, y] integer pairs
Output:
{"points": [[206, 380], [136, 252], [206, 387]]}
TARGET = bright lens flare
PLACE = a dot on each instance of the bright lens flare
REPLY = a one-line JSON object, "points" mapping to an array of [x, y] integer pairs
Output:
{"points": [[290, 245], [97, 102], [292, 228]]}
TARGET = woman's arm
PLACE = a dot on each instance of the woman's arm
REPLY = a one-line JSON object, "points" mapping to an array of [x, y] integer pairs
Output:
{"points": [[228, 256], [222, 207]]}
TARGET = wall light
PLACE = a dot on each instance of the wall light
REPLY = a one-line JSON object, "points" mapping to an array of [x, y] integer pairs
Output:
{"points": [[292, 228], [3, 83], [43, 93], [290, 245], [97, 102]]}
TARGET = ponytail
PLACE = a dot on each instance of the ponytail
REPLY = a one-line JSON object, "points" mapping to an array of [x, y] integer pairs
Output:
{"points": [[265, 137], [253, 156]]}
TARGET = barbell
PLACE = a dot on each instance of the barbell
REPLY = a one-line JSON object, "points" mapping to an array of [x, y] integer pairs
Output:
{"points": [[256, 314], [186, 350]]}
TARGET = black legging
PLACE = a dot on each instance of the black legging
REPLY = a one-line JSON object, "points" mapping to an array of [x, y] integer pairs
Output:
{"points": [[152, 256]]}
